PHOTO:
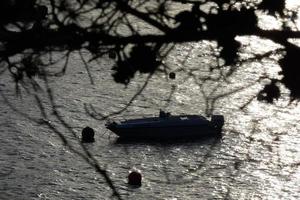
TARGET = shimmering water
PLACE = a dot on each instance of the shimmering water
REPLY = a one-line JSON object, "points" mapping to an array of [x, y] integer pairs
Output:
{"points": [[257, 158]]}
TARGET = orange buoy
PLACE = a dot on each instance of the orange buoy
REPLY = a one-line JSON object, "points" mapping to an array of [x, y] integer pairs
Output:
{"points": [[135, 178], [87, 135], [172, 75]]}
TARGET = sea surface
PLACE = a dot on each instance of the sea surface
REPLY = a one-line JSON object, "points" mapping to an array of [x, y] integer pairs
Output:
{"points": [[258, 156]]}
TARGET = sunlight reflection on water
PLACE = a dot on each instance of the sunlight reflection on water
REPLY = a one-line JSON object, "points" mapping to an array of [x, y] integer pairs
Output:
{"points": [[292, 4], [257, 158]]}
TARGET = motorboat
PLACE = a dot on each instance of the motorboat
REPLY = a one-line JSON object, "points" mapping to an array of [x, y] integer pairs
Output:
{"points": [[167, 126]]}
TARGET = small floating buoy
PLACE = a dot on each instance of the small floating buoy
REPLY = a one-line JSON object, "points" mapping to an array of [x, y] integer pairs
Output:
{"points": [[172, 75], [135, 178], [87, 135]]}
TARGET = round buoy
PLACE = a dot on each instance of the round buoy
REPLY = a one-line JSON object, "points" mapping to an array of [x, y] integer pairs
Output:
{"points": [[172, 75], [135, 178], [87, 135]]}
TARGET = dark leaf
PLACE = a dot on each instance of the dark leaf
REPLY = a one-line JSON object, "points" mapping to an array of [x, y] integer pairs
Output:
{"points": [[272, 6], [269, 93], [291, 70]]}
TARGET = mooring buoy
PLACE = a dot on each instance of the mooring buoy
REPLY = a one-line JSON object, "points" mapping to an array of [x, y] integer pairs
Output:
{"points": [[172, 75], [87, 135], [135, 178]]}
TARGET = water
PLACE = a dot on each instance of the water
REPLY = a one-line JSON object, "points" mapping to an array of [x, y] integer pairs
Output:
{"points": [[257, 158]]}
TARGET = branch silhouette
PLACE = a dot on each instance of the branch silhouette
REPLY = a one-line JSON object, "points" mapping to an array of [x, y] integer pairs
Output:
{"points": [[73, 25]]}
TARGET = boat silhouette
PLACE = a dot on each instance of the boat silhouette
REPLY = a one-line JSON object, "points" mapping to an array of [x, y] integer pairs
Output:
{"points": [[167, 126]]}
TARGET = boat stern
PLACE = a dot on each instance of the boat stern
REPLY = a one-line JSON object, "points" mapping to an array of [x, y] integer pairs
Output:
{"points": [[217, 121], [112, 126]]}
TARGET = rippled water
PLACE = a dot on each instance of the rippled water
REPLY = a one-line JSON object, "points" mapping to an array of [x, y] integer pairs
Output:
{"points": [[257, 158]]}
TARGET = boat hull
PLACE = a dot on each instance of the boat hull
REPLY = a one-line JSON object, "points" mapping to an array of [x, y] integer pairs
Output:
{"points": [[166, 132]]}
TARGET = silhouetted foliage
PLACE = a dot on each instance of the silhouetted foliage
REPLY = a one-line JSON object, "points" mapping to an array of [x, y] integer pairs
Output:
{"points": [[189, 21], [141, 58], [21, 11], [290, 70], [269, 93], [41, 27], [272, 7], [229, 49]]}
